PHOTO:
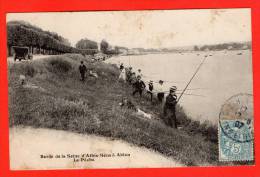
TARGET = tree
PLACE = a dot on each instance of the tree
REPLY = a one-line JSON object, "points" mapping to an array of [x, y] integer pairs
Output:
{"points": [[104, 46], [196, 48], [86, 44]]}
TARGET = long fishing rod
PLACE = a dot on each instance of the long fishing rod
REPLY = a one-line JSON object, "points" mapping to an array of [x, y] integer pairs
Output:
{"points": [[191, 78], [191, 94]]}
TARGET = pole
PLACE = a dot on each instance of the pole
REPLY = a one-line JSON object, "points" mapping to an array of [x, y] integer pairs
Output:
{"points": [[191, 78]]}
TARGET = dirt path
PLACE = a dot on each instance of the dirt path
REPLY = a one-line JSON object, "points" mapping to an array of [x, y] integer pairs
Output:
{"points": [[28, 144]]}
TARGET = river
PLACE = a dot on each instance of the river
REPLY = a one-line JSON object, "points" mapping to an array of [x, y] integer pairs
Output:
{"points": [[224, 73]]}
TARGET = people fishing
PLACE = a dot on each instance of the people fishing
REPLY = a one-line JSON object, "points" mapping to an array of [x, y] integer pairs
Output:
{"points": [[160, 94], [82, 70], [139, 86], [150, 90], [169, 108]]}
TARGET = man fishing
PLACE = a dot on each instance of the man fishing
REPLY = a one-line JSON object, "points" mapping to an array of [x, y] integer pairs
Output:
{"points": [[129, 74], [121, 67], [139, 73], [150, 89], [139, 85], [169, 108], [82, 70], [160, 94]]}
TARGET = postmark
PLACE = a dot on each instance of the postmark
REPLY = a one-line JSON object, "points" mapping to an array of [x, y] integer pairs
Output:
{"points": [[236, 129]]}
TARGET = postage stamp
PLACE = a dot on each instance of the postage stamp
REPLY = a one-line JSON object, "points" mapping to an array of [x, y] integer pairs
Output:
{"points": [[236, 129]]}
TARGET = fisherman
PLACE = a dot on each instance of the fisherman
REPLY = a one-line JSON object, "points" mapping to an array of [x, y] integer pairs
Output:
{"points": [[82, 70], [129, 105], [160, 94], [169, 108], [121, 67], [150, 89], [133, 79], [139, 73], [122, 76], [139, 85], [129, 74]]}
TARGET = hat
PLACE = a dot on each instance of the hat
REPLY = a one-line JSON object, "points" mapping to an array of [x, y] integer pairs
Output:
{"points": [[173, 88], [160, 81], [150, 82], [139, 76], [130, 67], [139, 69]]}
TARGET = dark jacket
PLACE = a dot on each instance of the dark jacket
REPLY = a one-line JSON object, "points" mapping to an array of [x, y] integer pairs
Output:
{"points": [[150, 87], [171, 101], [82, 68], [139, 85]]}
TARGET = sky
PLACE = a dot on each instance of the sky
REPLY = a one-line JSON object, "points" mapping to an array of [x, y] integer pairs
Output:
{"points": [[147, 29]]}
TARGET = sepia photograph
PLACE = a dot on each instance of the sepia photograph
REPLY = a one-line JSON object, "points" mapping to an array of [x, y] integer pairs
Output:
{"points": [[130, 89]]}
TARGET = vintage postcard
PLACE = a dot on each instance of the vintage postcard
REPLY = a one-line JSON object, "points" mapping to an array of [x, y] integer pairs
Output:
{"points": [[130, 89]]}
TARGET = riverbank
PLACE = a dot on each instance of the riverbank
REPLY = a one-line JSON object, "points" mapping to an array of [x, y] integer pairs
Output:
{"points": [[55, 98]]}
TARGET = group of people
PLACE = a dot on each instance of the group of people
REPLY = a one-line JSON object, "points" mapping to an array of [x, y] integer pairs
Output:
{"points": [[135, 80]]}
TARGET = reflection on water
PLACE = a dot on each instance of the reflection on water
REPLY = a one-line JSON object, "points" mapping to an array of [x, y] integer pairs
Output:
{"points": [[222, 75]]}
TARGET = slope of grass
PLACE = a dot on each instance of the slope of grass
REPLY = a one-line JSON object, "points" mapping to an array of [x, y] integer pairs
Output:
{"points": [[61, 101]]}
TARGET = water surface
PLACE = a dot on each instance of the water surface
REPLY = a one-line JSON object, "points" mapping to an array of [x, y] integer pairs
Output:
{"points": [[224, 73]]}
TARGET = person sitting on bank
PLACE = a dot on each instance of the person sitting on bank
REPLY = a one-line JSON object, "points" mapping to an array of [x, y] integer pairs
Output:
{"points": [[150, 89], [139, 86], [129, 105], [160, 94], [82, 70], [169, 108]]}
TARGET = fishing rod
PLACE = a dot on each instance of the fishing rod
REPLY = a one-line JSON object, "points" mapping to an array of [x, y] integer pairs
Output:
{"points": [[191, 78], [190, 94], [195, 89]]}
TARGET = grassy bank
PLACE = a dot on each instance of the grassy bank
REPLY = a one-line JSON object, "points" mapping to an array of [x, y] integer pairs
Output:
{"points": [[54, 97]]}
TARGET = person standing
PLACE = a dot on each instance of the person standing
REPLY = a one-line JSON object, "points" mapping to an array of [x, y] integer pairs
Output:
{"points": [[139, 85], [150, 89], [122, 75], [121, 67], [160, 94], [169, 108], [82, 70], [139, 73], [129, 74]]}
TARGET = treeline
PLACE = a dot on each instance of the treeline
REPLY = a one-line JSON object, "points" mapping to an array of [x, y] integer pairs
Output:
{"points": [[224, 46], [20, 33]]}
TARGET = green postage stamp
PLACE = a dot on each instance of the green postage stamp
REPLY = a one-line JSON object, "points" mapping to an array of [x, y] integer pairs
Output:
{"points": [[236, 129]]}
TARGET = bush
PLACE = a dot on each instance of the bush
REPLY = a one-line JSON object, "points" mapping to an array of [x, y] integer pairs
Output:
{"points": [[30, 70], [59, 65]]}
